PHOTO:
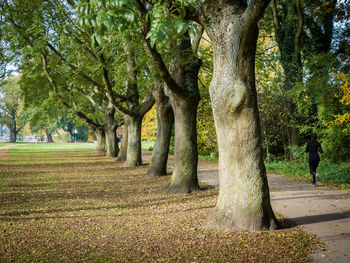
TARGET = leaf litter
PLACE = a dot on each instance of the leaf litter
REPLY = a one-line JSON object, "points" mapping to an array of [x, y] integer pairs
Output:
{"points": [[84, 207]]}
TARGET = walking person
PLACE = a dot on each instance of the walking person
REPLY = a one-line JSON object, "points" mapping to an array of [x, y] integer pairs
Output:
{"points": [[313, 147]]}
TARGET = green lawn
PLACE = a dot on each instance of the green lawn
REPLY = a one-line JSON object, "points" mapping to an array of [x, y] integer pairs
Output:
{"points": [[67, 203]]}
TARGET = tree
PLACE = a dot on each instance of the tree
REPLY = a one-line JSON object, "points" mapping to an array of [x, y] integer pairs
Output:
{"points": [[177, 65], [244, 200], [165, 122], [344, 98], [11, 106]]}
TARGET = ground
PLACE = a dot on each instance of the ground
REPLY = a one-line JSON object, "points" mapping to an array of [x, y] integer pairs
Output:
{"points": [[70, 204]]}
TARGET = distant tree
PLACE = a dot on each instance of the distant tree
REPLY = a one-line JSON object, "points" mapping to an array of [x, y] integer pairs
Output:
{"points": [[11, 106], [82, 133], [343, 120]]}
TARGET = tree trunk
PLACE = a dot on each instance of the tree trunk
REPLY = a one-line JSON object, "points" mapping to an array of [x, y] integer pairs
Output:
{"points": [[101, 140], [49, 137], [165, 121], [133, 155], [124, 147], [244, 199], [184, 178], [185, 103], [13, 135], [13, 129], [70, 137], [110, 128]]}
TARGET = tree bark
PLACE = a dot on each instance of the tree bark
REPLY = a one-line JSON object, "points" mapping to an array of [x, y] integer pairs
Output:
{"points": [[110, 128], [13, 135], [165, 122], [101, 140], [244, 199], [133, 155], [49, 136], [184, 178], [13, 128], [70, 137], [181, 78], [124, 146]]}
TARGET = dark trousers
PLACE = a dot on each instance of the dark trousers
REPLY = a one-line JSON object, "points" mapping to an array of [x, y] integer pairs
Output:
{"points": [[313, 166]]}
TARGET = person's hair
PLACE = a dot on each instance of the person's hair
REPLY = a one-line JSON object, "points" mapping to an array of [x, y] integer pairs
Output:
{"points": [[314, 138]]}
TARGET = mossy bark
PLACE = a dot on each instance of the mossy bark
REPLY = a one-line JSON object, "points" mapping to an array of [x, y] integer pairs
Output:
{"points": [[184, 178], [185, 103], [165, 122], [244, 199], [101, 140], [110, 128], [133, 155]]}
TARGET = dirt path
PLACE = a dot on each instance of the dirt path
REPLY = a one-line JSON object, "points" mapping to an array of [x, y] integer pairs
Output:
{"points": [[6, 147], [318, 210]]}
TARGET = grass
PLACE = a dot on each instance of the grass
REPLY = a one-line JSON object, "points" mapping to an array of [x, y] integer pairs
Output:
{"points": [[147, 145], [67, 203], [337, 175]]}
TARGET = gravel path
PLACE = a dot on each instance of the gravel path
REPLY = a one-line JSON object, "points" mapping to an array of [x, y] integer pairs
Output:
{"points": [[317, 210]]}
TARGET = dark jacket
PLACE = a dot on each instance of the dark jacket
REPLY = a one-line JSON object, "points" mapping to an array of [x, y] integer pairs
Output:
{"points": [[313, 148]]}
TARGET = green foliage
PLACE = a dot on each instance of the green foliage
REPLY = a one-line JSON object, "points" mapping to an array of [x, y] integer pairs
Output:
{"points": [[147, 145], [298, 153], [82, 133], [335, 144], [12, 112], [330, 173]]}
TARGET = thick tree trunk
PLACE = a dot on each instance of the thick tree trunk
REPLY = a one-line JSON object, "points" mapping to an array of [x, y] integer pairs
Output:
{"points": [[124, 146], [184, 178], [165, 121], [244, 199], [49, 137], [101, 140], [110, 128], [133, 155]]}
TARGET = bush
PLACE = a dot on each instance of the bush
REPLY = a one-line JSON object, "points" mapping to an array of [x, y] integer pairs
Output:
{"points": [[298, 153]]}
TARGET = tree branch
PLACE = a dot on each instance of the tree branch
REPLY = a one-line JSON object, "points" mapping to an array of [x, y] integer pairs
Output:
{"points": [[157, 58], [54, 86], [197, 39], [254, 12], [146, 104], [276, 22], [82, 74], [299, 29]]}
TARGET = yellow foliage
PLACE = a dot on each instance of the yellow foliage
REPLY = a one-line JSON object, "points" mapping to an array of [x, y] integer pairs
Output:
{"points": [[149, 125], [344, 97]]}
